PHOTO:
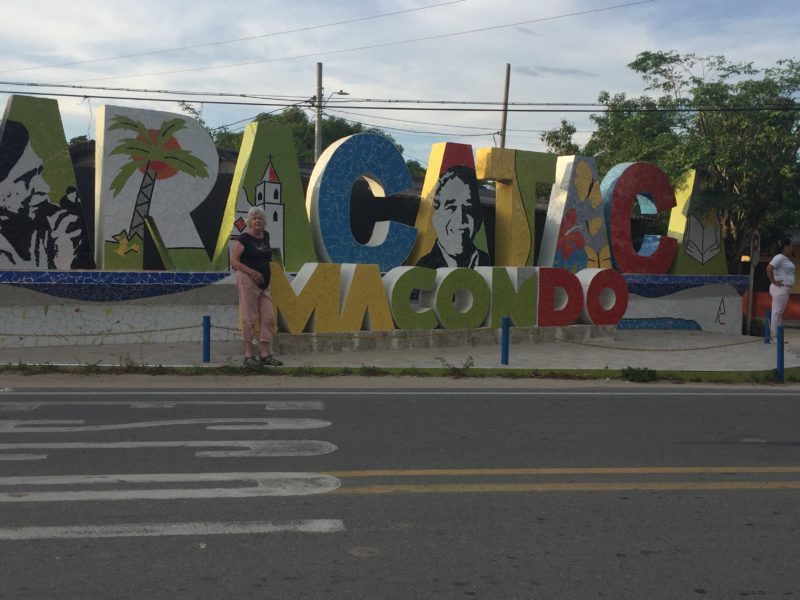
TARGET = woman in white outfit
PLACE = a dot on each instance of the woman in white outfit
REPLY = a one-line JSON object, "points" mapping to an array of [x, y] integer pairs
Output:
{"points": [[780, 271]]}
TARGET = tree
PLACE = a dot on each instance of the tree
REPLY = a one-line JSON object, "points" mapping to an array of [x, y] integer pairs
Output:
{"points": [[737, 125], [155, 153], [333, 128], [559, 141], [416, 169]]}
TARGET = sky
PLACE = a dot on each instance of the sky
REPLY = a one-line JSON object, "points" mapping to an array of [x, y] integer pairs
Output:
{"points": [[233, 60]]}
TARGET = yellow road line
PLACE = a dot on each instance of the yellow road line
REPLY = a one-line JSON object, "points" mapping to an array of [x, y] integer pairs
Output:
{"points": [[560, 471], [476, 488]]}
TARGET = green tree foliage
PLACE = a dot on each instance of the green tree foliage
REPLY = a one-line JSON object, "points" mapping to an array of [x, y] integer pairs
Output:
{"points": [[559, 141], [737, 125], [416, 169], [333, 128]]}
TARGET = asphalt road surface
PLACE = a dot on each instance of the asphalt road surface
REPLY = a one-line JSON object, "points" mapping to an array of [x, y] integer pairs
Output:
{"points": [[633, 492]]}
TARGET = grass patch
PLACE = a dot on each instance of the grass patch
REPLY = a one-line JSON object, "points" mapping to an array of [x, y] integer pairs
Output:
{"points": [[638, 374], [466, 370], [455, 371]]}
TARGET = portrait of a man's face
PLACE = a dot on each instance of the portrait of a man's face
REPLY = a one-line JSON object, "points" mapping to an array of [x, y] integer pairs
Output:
{"points": [[456, 219], [453, 217], [36, 233], [23, 188]]}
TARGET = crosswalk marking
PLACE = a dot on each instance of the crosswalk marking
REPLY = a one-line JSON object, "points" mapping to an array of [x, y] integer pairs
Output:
{"points": [[252, 448], [219, 424], [256, 485], [269, 405], [170, 529], [161, 486]]}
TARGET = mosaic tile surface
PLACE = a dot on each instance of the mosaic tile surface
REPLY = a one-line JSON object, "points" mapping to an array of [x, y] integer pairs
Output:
{"points": [[659, 323], [655, 286], [109, 286], [377, 159]]}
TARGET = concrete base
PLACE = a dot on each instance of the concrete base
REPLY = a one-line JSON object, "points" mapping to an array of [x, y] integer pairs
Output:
{"points": [[288, 344], [102, 308]]}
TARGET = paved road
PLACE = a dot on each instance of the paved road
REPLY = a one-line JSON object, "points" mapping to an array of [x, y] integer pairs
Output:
{"points": [[632, 492]]}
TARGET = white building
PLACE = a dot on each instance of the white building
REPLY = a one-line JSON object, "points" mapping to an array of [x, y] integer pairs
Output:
{"points": [[267, 196]]}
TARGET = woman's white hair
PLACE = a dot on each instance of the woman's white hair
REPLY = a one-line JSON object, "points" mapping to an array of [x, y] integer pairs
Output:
{"points": [[253, 212]]}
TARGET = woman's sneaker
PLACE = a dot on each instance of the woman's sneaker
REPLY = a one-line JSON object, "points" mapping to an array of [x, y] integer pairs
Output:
{"points": [[270, 361], [250, 361]]}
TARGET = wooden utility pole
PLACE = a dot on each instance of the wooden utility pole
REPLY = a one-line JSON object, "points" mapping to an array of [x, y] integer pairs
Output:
{"points": [[504, 118], [318, 119]]}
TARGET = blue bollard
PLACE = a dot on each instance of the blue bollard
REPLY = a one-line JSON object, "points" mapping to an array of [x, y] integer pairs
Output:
{"points": [[779, 342], [206, 338], [504, 340], [766, 327]]}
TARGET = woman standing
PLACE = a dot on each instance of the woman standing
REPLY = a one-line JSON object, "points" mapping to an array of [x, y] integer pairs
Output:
{"points": [[250, 259], [780, 271]]}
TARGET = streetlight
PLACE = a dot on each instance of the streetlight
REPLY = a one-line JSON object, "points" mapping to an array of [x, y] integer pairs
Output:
{"points": [[319, 103]]}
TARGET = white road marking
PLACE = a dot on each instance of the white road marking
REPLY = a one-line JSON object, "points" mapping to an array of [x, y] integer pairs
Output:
{"points": [[76, 425], [171, 529], [13, 457], [254, 448], [262, 484], [27, 406], [419, 392]]}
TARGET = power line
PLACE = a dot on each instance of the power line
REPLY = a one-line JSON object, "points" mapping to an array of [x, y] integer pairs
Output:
{"points": [[280, 97], [231, 41], [251, 119], [413, 131], [149, 99], [491, 129], [531, 108], [182, 93], [374, 46]]}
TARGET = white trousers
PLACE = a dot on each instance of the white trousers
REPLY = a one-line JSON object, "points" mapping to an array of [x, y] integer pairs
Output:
{"points": [[780, 298]]}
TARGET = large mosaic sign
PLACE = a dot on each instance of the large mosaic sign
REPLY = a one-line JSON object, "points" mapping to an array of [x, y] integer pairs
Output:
{"points": [[376, 159], [701, 249], [575, 236], [516, 174], [152, 170], [42, 224], [268, 176], [157, 209]]}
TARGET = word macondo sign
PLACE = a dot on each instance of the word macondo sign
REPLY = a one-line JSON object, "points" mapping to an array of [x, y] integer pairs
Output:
{"points": [[156, 207]]}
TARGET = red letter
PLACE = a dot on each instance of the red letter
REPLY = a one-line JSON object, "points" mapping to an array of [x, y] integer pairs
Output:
{"points": [[605, 296], [620, 188], [560, 297]]}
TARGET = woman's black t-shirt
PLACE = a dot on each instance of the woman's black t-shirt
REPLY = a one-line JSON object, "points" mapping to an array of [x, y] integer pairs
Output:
{"points": [[257, 254]]}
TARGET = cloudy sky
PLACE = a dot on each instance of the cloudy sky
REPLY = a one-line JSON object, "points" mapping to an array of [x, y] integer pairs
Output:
{"points": [[224, 55]]}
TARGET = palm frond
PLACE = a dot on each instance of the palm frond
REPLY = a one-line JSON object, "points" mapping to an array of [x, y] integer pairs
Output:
{"points": [[124, 175], [123, 122], [168, 129], [185, 162], [133, 147]]}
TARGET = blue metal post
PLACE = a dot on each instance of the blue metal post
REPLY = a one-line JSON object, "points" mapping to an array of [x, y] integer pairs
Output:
{"points": [[766, 327], [779, 342], [206, 338], [504, 340]]}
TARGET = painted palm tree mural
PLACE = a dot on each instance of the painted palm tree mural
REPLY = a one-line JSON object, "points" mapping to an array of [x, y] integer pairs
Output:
{"points": [[156, 154]]}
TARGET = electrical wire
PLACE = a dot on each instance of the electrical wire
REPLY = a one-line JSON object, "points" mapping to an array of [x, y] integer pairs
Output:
{"points": [[530, 109], [347, 112], [373, 46], [412, 131], [183, 93], [231, 41]]}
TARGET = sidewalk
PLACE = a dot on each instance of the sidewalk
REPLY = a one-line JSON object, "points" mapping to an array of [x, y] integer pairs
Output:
{"points": [[654, 349]]}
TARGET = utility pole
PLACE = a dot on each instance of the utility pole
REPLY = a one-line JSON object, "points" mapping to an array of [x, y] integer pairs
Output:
{"points": [[755, 255], [504, 117], [318, 120]]}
